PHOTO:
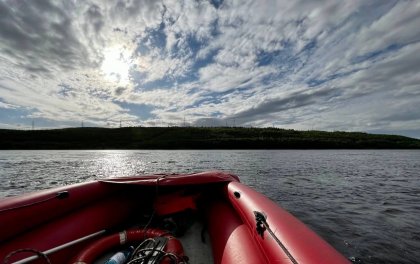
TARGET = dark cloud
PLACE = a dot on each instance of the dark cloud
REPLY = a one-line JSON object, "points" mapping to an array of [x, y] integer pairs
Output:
{"points": [[40, 34], [292, 101], [406, 112], [95, 17], [120, 90]]}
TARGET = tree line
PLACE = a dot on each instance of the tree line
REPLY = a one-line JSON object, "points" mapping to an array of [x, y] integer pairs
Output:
{"points": [[198, 138]]}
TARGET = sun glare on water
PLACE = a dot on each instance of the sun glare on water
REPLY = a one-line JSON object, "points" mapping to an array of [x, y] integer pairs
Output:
{"points": [[116, 65]]}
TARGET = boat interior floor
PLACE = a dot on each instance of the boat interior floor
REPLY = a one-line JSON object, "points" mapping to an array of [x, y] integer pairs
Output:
{"points": [[197, 250]]}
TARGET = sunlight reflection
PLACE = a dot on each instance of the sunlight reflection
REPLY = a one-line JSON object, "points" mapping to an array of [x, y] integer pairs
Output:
{"points": [[118, 164]]}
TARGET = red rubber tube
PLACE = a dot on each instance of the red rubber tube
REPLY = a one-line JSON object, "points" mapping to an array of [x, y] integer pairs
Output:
{"points": [[104, 244]]}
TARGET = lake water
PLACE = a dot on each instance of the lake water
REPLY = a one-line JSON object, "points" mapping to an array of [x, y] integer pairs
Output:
{"points": [[366, 203]]}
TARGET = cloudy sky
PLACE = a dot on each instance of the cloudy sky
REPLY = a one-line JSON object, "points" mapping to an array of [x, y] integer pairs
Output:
{"points": [[325, 65]]}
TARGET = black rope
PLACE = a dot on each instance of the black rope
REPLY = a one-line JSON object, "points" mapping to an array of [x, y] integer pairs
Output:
{"points": [[154, 211], [262, 225], [38, 253]]}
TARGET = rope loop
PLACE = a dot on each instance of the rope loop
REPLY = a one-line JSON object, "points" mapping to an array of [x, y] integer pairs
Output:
{"points": [[31, 250]]}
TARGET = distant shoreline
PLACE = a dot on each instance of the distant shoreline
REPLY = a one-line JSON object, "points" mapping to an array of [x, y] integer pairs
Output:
{"points": [[197, 138]]}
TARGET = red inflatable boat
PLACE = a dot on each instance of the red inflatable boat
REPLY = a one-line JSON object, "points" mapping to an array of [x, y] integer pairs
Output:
{"points": [[196, 218]]}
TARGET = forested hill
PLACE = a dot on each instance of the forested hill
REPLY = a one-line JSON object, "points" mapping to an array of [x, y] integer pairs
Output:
{"points": [[197, 138]]}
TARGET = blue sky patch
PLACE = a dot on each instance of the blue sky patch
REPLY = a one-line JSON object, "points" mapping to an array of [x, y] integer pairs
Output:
{"points": [[142, 111]]}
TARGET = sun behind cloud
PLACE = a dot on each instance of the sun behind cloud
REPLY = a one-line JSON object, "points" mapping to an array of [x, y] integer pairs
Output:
{"points": [[116, 65]]}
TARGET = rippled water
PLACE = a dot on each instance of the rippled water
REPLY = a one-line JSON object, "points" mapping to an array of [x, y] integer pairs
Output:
{"points": [[366, 203]]}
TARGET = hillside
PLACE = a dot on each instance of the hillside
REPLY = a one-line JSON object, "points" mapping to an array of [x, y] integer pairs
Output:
{"points": [[197, 138]]}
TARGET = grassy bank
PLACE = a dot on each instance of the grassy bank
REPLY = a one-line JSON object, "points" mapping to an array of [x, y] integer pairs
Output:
{"points": [[197, 138]]}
